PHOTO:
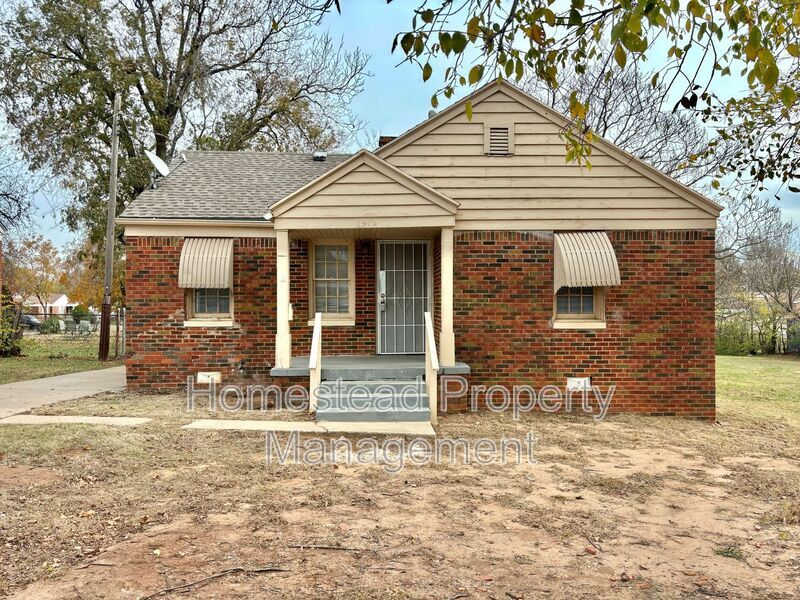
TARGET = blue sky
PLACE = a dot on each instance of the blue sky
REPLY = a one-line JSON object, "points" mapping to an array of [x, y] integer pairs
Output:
{"points": [[394, 98]]}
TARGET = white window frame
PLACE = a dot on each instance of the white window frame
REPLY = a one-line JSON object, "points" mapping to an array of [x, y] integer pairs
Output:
{"points": [[595, 320], [195, 319], [347, 319]]}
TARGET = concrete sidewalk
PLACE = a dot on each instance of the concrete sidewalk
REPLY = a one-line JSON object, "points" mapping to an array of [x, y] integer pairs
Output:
{"points": [[415, 428], [22, 396]]}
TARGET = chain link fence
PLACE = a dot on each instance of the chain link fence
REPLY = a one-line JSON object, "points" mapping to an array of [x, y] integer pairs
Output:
{"points": [[62, 336]]}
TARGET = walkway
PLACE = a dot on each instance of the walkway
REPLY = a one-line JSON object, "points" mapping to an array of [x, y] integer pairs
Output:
{"points": [[20, 397]]}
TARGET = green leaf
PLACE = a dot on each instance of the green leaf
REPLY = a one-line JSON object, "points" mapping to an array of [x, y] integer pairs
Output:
{"points": [[474, 27], [427, 71], [419, 45], [794, 50], [754, 38], [435, 101], [459, 42], [788, 96], [619, 56], [445, 43], [475, 74], [696, 8], [427, 15], [770, 76], [468, 109], [407, 42]]}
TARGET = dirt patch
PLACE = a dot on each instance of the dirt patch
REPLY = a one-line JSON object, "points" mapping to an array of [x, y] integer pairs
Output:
{"points": [[630, 508], [20, 476]]}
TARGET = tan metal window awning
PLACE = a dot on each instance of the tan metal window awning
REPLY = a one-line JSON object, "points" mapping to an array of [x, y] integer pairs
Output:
{"points": [[206, 263], [584, 259]]}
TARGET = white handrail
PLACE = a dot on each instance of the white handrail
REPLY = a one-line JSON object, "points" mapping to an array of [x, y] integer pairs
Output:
{"points": [[431, 367], [315, 363]]}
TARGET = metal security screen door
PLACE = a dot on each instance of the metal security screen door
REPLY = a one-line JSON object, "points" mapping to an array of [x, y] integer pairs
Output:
{"points": [[403, 296]]}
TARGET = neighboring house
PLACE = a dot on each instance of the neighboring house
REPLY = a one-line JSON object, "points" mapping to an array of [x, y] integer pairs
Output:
{"points": [[56, 304], [534, 270]]}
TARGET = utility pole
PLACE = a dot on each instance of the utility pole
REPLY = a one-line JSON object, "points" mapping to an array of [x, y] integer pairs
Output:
{"points": [[105, 314]]}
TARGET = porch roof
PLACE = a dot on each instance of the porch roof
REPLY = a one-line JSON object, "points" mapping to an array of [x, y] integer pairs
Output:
{"points": [[364, 193]]}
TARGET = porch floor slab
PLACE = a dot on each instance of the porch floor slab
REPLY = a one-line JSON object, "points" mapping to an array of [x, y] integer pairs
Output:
{"points": [[73, 420], [366, 427], [372, 362]]}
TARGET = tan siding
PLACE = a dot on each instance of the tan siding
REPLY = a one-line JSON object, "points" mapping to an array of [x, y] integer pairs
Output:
{"points": [[536, 188], [366, 198]]}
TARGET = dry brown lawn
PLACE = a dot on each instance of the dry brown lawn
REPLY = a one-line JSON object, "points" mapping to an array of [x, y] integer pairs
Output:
{"points": [[632, 507]]}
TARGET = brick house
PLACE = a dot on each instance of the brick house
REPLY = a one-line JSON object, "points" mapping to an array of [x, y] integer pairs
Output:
{"points": [[462, 247]]}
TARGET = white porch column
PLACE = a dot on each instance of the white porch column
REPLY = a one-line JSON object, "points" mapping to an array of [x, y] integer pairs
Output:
{"points": [[447, 351], [283, 338]]}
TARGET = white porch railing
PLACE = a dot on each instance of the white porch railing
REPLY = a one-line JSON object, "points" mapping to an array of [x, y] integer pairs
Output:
{"points": [[315, 363], [431, 367]]}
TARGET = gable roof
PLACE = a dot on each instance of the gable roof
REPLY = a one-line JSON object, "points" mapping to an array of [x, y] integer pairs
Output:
{"points": [[370, 160], [227, 185], [494, 87]]}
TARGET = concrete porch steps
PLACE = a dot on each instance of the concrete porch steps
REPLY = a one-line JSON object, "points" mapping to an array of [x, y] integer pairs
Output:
{"points": [[373, 400]]}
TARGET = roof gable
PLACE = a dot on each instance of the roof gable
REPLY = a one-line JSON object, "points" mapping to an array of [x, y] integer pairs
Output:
{"points": [[362, 174], [505, 89]]}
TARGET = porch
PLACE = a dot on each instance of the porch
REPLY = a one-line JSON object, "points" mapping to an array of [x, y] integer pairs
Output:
{"points": [[365, 256], [367, 367]]}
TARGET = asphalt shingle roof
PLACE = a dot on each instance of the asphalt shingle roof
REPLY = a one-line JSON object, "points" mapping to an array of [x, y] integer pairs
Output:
{"points": [[227, 185]]}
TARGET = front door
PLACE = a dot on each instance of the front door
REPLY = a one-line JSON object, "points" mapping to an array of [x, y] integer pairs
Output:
{"points": [[403, 296]]}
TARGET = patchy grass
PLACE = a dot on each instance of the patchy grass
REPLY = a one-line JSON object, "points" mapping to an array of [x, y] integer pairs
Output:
{"points": [[638, 484], [48, 355], [787, 513], [632, 507], [730, 552]]}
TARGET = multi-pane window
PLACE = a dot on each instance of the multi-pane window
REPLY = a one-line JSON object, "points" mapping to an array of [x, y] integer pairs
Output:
{"points": [[331, 280], [212, 302], [576, 302]]}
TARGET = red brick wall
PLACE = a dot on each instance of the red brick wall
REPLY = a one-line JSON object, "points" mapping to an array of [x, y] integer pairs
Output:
{"points": [[161, 352], [335, 339], [658, 347]]}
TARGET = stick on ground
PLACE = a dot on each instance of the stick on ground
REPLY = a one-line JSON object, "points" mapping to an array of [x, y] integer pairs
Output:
{"points": [[187, 586]]}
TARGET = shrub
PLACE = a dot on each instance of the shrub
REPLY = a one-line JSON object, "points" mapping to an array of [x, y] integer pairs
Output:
{"points": [[734, 338], [9, 341], [81, 312], [51, 324], [10, 333]]}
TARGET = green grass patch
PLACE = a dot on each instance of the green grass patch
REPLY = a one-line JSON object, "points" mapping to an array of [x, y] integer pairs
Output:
{"points": [[760, 387], [48, 355], [730, 552]]}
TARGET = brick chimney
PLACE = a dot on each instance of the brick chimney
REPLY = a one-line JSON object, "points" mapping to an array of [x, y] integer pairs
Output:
{"points": [[385, 139]]}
